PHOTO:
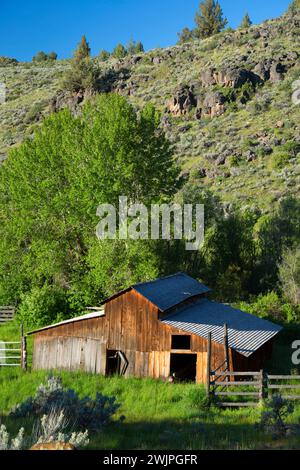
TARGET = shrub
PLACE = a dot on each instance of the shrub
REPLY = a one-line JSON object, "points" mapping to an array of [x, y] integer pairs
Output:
{"points": [[85, 412], [42, 306], [273, 419], [8, 443], [6, 61], [54, 427], [232, 161], [40, 57], [52, 56], [272, 307], [279, 160]]}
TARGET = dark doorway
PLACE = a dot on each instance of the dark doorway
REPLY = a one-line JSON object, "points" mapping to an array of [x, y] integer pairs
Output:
{"points": [[184, 367], [112, 362], [181, 342]]}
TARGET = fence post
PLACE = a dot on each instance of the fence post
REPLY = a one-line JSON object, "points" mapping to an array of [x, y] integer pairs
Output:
{"points": [[23, 349], [226, 349], [208, 363], [261, 385]]}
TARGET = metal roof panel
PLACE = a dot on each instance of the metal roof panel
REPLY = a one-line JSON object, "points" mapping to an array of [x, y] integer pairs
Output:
{"points": [[170, 291], [246, 332]]}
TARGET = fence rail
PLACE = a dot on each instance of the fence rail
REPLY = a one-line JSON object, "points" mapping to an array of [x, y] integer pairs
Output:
{"points": [[262, 386], [6, 314], [14, 353]]}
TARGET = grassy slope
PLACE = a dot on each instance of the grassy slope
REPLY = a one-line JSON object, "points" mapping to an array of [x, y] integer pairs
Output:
{"points": [[30, 88], [158, 415]]}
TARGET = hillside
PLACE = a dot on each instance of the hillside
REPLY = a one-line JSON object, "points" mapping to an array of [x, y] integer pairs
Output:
{"points": [[226, 104]]}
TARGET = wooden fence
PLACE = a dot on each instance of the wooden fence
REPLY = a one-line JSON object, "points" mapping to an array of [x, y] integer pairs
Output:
{"points": [[255, 385], [6, 314], [14, 353]]}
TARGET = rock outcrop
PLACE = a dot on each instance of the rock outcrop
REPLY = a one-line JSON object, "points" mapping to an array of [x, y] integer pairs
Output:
{"points": [[183, 101]]}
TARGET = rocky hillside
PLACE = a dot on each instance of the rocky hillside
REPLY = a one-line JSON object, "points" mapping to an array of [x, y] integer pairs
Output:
{"points": [[226, 104]]}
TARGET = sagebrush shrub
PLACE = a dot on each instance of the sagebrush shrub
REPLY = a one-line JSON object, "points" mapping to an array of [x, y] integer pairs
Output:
{"points": [[85, 413], [273, 418], [8, 443]]}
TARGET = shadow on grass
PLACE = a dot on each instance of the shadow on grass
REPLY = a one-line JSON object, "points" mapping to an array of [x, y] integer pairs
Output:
{"points": [[176, 435]]}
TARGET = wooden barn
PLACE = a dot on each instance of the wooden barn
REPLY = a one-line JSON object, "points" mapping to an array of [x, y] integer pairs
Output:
{"points": [[157, 329]]}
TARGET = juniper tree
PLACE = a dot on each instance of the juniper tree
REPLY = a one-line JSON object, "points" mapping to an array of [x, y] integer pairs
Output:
{"points": [[104, 55], [246, 22], [134, 47], [119, 52], [82, 75], [83, 50], [209, 19], [185, 35]]}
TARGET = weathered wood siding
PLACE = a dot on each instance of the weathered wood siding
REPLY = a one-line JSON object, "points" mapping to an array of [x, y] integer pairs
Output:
{"points": [[69, 353], [131, 324]]}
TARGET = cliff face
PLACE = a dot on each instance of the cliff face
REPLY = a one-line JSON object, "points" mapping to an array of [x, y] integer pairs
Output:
{"points": [[230, 105]]}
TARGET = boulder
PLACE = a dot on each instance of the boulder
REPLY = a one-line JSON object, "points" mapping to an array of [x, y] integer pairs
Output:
{"points": [[262, 70], [277, 71], [214, 104], [157, 60], [53, 446], [67, 100], [221, 160], [207, 78], [231, 77], [183, 101]]}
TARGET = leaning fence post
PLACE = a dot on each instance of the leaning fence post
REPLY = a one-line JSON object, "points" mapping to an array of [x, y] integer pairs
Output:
{"points": [[208, 363]]}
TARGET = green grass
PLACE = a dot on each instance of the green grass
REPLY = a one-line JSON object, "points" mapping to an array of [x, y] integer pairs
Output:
{"points": [[158, 415]]}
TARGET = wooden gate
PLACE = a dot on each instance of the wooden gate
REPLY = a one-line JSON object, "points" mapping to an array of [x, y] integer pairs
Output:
{"points": [[237, 387]]}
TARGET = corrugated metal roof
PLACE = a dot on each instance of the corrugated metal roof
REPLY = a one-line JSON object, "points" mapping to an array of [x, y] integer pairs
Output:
{"points": [[170, 291], [246, 333], [88, 316]]}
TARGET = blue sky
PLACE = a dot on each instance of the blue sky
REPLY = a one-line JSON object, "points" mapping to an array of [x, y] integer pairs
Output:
{"points": [[28, 26]]}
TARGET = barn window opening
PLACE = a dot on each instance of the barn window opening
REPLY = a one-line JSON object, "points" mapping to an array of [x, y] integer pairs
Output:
{"points": [[181, 342], [183, 367], [112, 362]]}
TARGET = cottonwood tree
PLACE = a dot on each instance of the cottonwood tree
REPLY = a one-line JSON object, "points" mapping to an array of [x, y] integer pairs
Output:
{"points": [[289, 275], [51, 186]]}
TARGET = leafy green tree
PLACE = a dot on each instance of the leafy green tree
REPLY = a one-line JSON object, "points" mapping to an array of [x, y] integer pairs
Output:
{"points": [[246, 22], [51, 186], [119, 52], [209, 20], [289, 275], [273, 234]]}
